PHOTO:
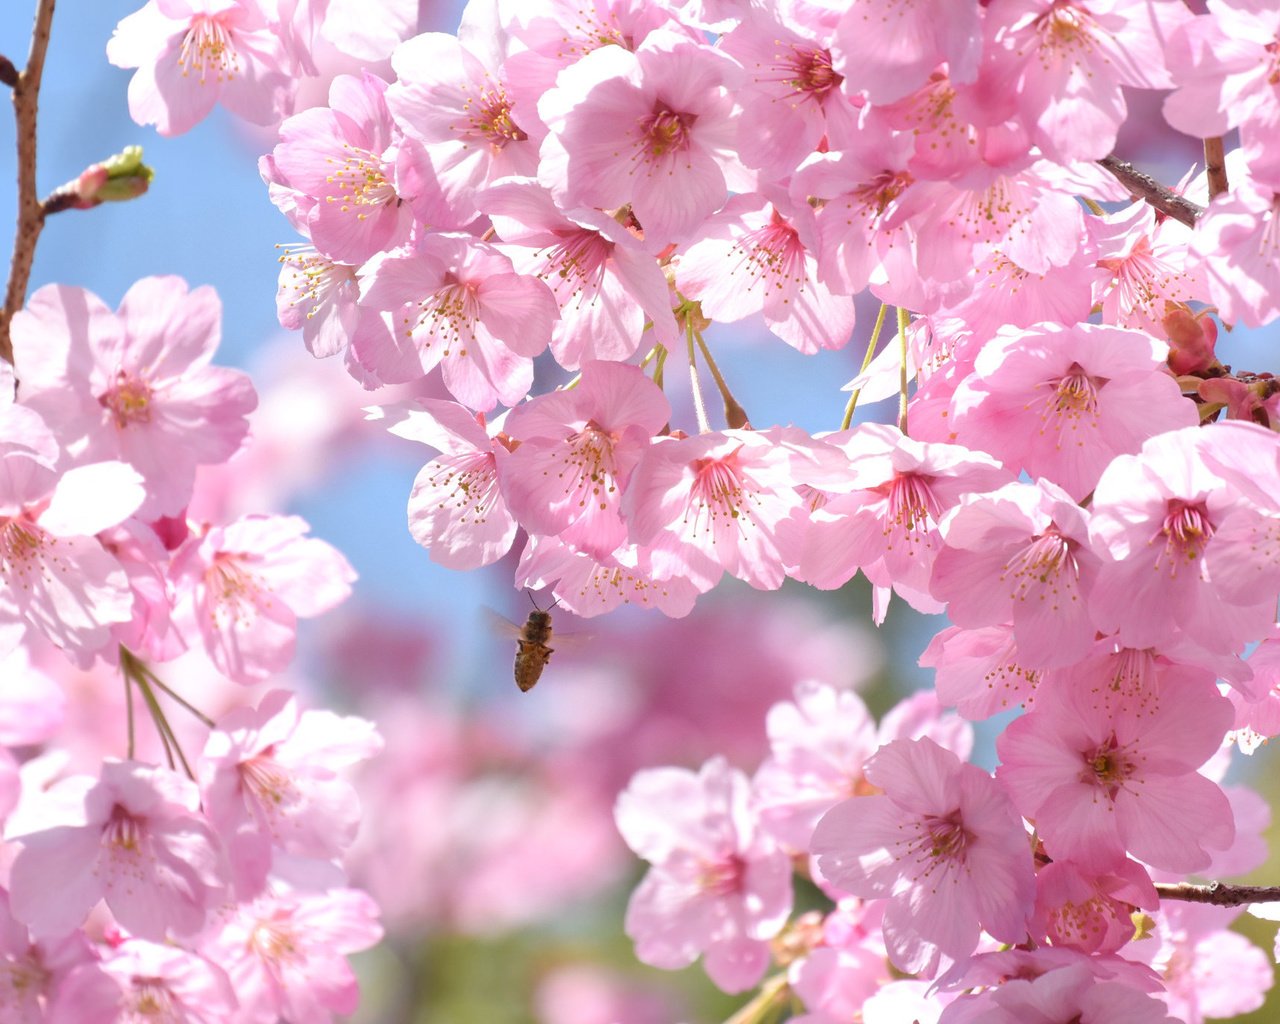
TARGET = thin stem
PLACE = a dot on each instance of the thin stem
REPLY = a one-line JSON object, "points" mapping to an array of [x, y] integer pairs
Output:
{"points": [[735, 416], [157, 716], [1215, 164], [26, 92], [128, 706], [1219, 894], [189, 708], [649, 357], [1143, 186], [699, 407], [1093, 206], [772, 997], [866, 361], [904, 321], [660, 366]]}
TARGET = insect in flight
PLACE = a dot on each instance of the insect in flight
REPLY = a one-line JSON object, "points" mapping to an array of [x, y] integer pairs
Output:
{"points": [[532, 652]]}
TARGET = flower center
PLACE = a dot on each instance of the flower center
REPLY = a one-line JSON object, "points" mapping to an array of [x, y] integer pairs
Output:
{"points": [[360, 181], [1186, 529], [664, 132], [725, 877], [208, 48], [491, 119], [128, 400]]}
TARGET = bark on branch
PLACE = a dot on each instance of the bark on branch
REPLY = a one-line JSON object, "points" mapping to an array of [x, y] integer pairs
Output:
{"points": [[26, 93], [1143, 186], [1220, 894]]}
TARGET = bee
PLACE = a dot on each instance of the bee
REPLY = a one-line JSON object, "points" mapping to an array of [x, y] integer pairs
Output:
{"points": [[532, 652]]}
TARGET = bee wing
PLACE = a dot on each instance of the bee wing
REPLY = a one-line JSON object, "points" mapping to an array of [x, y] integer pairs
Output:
{"points": [[502, 626]]}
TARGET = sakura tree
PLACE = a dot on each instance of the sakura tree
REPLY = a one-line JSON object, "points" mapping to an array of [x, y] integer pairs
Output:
{"points": [[522, 242]]}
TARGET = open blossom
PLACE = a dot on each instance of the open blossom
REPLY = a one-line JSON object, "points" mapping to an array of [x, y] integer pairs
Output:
{"points": [[977, 670], [1062, 401], [654, 129], [577, 452], [319, 297], [192, 54], [341, 160], [942, 843], [137, 841], [135, 385], [1021, 553], [611, 292], [457, 509], [1091, 912], [270, 779], [756, 256], [1068, 995], [140, 980], [819, 745], [717, 887], [457, 303], [55, 575], [286, 955], [244, 586], [32, 970], [1102, 778], [1238, 242]]}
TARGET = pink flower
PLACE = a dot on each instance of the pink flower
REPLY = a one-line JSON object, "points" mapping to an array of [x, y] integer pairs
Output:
{"points": [[714, 503], [270, 780], [1091, 912], [1238, 243], [941, 826], [577, 452], [1068, 995], [977, 671], [756, 256], [454, 102], [1104, 778], [717, 887], [458, 303], [286, 955], [142, 979], [342, 161], [887, 48], [1021, 553], [1062, 401], [138, 842], [135, 385], [654, 129], [191, 54], [819, 745], [243, 587], [56, 575], [1147, 266], [611, 293], [457, 509], [32, 971], [1157, 516]]}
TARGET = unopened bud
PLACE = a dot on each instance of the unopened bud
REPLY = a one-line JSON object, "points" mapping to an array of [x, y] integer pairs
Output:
{"points": [[120, 177], [1192, 337]]}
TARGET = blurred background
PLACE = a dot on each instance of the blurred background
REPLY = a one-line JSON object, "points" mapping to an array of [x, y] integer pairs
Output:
{"points": [[488, 836]]}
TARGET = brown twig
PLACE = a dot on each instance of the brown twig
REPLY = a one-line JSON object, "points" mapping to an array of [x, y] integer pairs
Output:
{"points": [[26, 92], [1143, 186], [1220, 894], [1215, 164], [8, 73]]}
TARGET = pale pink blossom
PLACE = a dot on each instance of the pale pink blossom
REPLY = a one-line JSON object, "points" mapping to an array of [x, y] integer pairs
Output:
{"points": [[818, 746], [940, 826], [1021, 553], [1005, 293], [977, 671], [577, 451], [286, 955], [654, 129], [341, 159], [1157, 517], [1146, 267], [457, 509], [1237, 241], [757, 256], [136, 841], [611, 293], [271, 778], [243, 587], [1091, 912], [1068, 995], [32, 971], [192, 54], [135, 385], [318, 297], [453, 99], [140, 980], [458, 303], [1062, 401], [718, 887], [888, 48], [1102, 778]]}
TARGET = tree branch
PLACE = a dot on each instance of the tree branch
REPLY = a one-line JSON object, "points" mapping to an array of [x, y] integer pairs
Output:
{"points": [[1215, 165], [26, 92], [1143, 186], [1220, 894]]}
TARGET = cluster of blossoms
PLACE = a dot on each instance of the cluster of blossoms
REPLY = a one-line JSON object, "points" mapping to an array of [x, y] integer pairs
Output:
{"points": [[1075, 477]]}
